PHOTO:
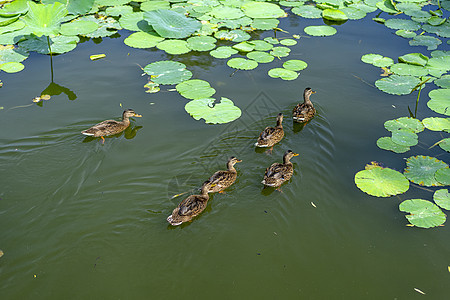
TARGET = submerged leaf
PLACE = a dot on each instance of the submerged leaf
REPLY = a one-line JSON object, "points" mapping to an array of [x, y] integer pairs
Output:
{"points": [[423, 213], [214, 113], [421, 169], [381, 182]]}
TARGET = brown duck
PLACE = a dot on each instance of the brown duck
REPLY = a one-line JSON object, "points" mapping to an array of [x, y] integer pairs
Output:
{"points": [[223, 179], [278, 173], [271, 135], [305, 111]]}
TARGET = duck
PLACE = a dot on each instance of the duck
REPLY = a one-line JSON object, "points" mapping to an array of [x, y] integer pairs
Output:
{"points": [[223, 179], [271, 135], [110, 127], [305, 111], [278, 173], [190, 207]]}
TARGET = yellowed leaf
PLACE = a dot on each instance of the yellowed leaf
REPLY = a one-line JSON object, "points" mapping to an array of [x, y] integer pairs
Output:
{"points": [[97, 56], [419, 291]]}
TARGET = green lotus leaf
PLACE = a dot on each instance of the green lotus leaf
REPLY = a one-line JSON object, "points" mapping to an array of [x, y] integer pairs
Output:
{"points": [[421, 169], [242, 63], [142, 40], [135, 22], [386, 143], [171, 24], [435, 21], [443, 176], [445, 144], [14, 37], [288, 42], [440, 101], [167, 72], [413, 10], [438, 65], [12, 54], [223, 52], [213, 113], [174, 47], [121, 10], [428, 41], [261, 45], [226, 12], [195, 89], [12, 67], [322, 30], [79, 7], [232, 24], [265, 24], [271, 40], [282, 73], [260, 57], [404, 123], [407, 69], [363, 7], [295, 65], [107, 27], [111, 2], [386, 6], [289, 3], [377, 60], [262, 10], [417, 59], [308, 11], [437, 124], [12, 27], [381, 182], [4, 21], [78, 27], [59, 44], [244, 46], [423, 213], [201, 43], [14, 8], [233, 35], [154, 5], [334, 15], [443, 82], [353, 13], [404, 137], [397, 85], [280, 51], [442, 30], [406, 33], [442, 198], [44, 19], [402, 24]]}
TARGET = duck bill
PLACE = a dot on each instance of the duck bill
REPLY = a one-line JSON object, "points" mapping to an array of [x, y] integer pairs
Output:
{"points": [[136, 115], [239, 160], [313, 92], [295, 154]]}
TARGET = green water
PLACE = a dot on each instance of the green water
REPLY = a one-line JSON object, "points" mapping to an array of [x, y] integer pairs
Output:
{"points": [[82, 220]]}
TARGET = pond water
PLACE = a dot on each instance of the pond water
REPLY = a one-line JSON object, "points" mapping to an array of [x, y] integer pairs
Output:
{"points": [[86, 220]]}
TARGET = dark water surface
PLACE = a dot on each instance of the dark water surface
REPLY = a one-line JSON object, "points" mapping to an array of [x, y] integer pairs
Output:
{"points": [[82, 220]]}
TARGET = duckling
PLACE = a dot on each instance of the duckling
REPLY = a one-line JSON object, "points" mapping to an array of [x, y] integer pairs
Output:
{"points": [[110, 127], [278, 173], [271, 135], [190, 207], [305, 111], [223, 179]]}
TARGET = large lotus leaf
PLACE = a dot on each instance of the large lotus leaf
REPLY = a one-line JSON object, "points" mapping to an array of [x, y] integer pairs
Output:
{"points": [[407, 69], [353, 13], [417, 59], [295, 65], [442, 30], [428, 41], [443, 82], [442, 198], [265, 24], [167, 72], [377, 60], [142, 39], [440, 101], [282, 73], [10, 53], [386, 6], [59, 44], [201, 43], [322, 30], [308, 11], [421, 169], [134, 21], [174, 47], [171, 24], [223, 52], [288, 42], [14, 8], [381, 182], [214, 113], [195, 89], [437, 124], [334, 15], [254, 9], [423, 213], [386, 143], [154, 5], [260, 57], [78, 27], [280, 51], [12, 67], [226, 12], [397, 85], [405, 138], [45, 19], [443, 176], [402, 24], [12, 27], [404, 123], [242, 63]]}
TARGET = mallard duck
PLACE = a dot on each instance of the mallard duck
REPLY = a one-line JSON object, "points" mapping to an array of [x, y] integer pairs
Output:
{"points": [[278, 173], [223, 179], [110, 127], [190, 207], [305, 111], [271, 135]]}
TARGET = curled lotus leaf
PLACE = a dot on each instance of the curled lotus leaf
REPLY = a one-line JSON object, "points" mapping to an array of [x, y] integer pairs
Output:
{"points": [[423, 213], [322, 30], [440, 101], [242, 63], [212, 112], [195, 89], [262, 10], [443, 176], [437, 124], [334, 14], [381, 182], [404, 123], [167, 72], [171, 24], [386, 143], [442, 198], [421, 169], [397, 85], [387, 6], [142, 40]]}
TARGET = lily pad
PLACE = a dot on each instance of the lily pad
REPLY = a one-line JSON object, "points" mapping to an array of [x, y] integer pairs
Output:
{"points": [[195, 89], [59, 44], [443, 82], [264, 10], [445, 144], [397, 85], [213, 113], [443, 176], [404, 137], [288, 42], [423, 213], [244, 46], [78, 27], [441, 30], [417, 59], [406, 34], [134, 21], [260, 57], [226, 12], [295, 65], [421, 169], [142, 40], [174, 47], [437, 124], [11, 53], [171, 24], [201, 43], [308, 11], [428, 41], [280, 51], [271, 40], [404, 123], [353, 13], [442, 198], [261, 45], [120, 10], [386, 143], [167, 72], [334, 15], [402, 24], [12, 27], [283, 73], [242, 63], [440, 101], [265, 24], [386, 6], [407, 69], [381, 182], [233, 35], [44, 19], [12, 67], [154, 5], [377, 60], [223, 52], [322, 30]]}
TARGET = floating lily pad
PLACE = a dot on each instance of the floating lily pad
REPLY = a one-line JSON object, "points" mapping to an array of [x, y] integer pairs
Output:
{"points": [[407, 69], [261, 45], [142, 40], [12, 67], [397, 85], [334, 14], [223, 52], [265, 24], [440, 101], [226, 12], [260, 57], [406, 34], [442, 198], [386, 6], [283, 73], [233, 35], [214, 113], [381, 182], [78, 27], [271, 40], [445, 144], [167, 72], [417, 59], [428, 41], [404, 123], [386, 143], [154, 5], [120, 10], [107, 26], [195, 89], [377, 60], [264, 10], [174, 47], [443, 176], [404, 137], [280, 51], [59, 44], [201, 43], [402, 24], [242, 63], [11, 53], [322, 30], [12, 27], [44, 19], [288, 42], [14, 8], [308, 11], [353, 13], [435, 21], [244, 46], [111, 2], [295, 65], [423, 213], [442, 30], [438, 65], [443, 82], [421, 169], [171, 24], [135, 22], [437, 124]]}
